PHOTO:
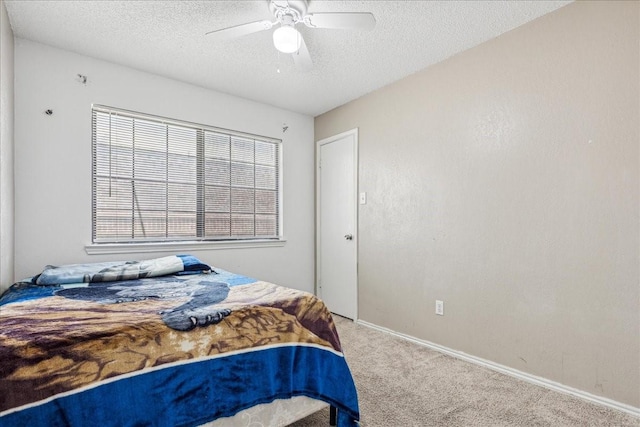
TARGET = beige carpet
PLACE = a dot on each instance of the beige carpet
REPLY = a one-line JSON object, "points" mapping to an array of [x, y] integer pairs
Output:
{"points": [[404, 384]]}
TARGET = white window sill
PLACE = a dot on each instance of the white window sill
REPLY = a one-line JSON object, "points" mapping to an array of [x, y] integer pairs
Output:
{"points": [[131, 248]]}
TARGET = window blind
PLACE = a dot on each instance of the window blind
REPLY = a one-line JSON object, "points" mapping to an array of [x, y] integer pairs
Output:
{"points": [[157, 179]]}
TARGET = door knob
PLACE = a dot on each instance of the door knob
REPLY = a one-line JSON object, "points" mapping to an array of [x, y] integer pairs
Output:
{"points": [[348, 236]]}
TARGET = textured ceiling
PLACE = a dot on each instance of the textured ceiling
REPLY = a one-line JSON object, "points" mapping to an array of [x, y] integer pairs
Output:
{"points": [[168, 38]]}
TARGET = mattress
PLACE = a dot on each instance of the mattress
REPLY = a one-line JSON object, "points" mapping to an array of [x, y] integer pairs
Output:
{"points": [[279, 413], [122, 344]]}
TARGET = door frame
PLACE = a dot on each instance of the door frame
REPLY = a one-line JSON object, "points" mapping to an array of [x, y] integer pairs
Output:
{"points": [[319, 144]]}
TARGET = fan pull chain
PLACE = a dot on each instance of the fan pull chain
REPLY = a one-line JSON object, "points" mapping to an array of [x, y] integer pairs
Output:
{"points": [[278, 67]]}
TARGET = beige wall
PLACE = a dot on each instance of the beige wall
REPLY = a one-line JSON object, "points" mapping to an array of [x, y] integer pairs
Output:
{"points": [[6, 150], [505, 181]]}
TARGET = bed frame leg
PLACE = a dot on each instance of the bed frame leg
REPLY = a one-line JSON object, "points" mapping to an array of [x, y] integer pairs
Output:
{"points": [[332, 415]]}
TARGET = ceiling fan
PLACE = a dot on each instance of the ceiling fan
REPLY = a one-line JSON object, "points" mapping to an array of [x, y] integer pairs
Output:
{"points": [[289, 13]]}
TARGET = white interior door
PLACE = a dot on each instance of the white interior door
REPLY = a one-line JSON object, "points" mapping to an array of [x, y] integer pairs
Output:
{"points": [[337, 174]]}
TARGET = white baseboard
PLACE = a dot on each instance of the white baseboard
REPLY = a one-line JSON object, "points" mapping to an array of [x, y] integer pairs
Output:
{"points": [[631, 410]]}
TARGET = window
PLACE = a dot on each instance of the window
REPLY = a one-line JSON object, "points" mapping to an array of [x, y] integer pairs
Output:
{"points": [[158, 180]]}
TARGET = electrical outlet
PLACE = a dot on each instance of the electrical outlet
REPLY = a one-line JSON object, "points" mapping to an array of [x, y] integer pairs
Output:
{"points": [[440, 307]]}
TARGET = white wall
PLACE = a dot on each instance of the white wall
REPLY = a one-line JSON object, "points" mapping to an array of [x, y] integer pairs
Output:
{"points": [[53, 160], [6, 150]]}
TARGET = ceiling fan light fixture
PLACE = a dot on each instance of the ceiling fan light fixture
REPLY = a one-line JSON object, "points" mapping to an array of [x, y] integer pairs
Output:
{"points": [[287, 39]]}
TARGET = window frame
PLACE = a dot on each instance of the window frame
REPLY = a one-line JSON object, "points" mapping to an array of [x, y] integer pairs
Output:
{"points": [[99, 246]]}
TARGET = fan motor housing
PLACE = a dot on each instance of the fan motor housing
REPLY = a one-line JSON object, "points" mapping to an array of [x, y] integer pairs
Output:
{"points": [[296, 9]]}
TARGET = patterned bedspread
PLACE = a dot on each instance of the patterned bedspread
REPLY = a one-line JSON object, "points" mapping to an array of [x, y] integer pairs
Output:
{"points": [[177, 350]]}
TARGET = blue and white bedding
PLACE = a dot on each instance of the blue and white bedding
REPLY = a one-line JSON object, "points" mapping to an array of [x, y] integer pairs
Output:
{"points": [[175, 350]]}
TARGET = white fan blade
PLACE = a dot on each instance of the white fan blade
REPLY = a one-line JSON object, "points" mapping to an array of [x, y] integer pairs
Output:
{"points": [[301, 57], [240, 30], [339, 20]]}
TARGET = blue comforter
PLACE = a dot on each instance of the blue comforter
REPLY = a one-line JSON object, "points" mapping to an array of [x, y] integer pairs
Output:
{"points": [[179, 350]]}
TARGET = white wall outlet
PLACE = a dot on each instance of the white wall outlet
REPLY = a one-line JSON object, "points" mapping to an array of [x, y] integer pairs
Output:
{"points": [[440, 307], [363, 198]]}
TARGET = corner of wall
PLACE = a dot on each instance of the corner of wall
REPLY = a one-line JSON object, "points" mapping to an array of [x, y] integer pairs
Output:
{"points": [[6, 150]]}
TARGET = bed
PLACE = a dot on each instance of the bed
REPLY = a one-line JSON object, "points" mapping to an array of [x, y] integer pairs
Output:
{"points": [[166, 342]]}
